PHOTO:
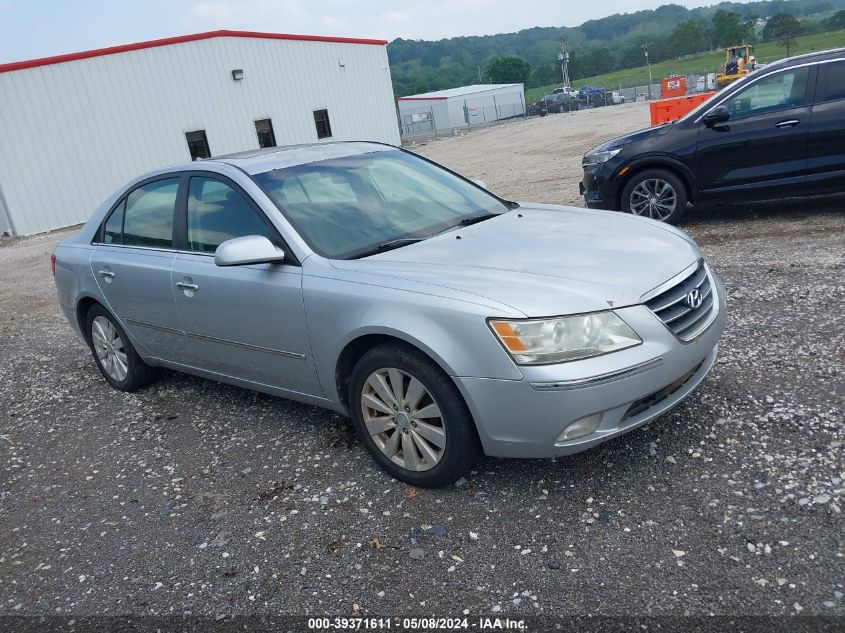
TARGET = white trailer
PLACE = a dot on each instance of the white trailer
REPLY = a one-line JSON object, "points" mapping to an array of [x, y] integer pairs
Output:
{"points": [[446, 110]]}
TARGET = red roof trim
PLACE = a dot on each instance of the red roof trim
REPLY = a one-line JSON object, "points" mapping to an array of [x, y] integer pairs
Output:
{"points": [[423, 98], [111, 50]]}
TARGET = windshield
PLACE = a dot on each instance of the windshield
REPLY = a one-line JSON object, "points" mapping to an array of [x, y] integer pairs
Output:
{"points": [[352, 206]]}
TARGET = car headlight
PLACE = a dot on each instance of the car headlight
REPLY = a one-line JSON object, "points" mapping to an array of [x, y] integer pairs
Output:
{"points": [[596, 158], [563, 339]]}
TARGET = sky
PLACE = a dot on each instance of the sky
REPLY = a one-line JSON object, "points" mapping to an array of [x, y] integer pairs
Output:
{"points": [[41, 28]]}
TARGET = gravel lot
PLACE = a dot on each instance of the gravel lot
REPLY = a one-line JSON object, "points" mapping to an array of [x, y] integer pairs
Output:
{"points": [[196, 498]]}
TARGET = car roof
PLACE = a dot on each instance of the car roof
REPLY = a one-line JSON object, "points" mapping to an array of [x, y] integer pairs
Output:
{"points": [[261, 160], [818, 56]]}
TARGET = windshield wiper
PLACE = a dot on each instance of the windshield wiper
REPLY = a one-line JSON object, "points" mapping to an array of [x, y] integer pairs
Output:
{"points": [[469, 220], [404, 241], [390, 245]]}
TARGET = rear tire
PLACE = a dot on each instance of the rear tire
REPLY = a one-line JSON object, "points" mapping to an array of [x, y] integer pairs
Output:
{"points": [[390, 386], [114, 353], [657, 194]]}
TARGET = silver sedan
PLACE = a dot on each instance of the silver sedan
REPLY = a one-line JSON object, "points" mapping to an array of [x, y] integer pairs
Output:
{"points": [[445, 321]]}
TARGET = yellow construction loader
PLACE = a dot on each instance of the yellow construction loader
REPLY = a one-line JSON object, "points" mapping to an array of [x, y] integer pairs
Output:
{"points": [[739, 61]]}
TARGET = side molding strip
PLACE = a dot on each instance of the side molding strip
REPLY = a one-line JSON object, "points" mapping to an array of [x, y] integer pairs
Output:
{"points": [[215, 339]]}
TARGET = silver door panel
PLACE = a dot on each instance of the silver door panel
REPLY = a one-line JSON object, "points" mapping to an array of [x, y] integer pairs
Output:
{"points": [[135, 282], [244, 321]]}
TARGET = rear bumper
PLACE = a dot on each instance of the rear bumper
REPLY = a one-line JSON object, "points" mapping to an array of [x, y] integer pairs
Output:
{"points": [[629, 388]]}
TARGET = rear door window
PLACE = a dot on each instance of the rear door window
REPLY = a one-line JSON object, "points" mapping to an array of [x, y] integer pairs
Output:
{"points": [[148, 216], [831, 83]]}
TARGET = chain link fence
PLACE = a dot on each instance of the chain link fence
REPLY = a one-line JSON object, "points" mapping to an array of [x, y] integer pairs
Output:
{"points": [[420, 127]]}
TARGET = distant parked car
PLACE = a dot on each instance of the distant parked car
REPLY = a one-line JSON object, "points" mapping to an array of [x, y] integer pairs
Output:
{"points": [[566, 90], [444, 320], [559, 102], [616, 97], [778, 132], [587, 91], [538, 108]]}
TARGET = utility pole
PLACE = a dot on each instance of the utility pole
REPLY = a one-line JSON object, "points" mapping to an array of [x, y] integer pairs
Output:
{"points": [[563, 58], [479, 75], [648, 63]]}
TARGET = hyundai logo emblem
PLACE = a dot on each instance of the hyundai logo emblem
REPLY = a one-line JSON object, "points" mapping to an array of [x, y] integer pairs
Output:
{"points": [[695, 299]]}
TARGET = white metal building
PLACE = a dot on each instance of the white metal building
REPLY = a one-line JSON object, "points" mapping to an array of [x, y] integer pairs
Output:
{"points": [[74, 128], [461, 107]]}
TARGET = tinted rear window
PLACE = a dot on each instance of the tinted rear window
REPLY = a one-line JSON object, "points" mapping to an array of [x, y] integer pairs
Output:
{"points": [[831, 82]]}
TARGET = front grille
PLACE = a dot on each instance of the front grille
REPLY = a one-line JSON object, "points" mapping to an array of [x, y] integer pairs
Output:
{"points": [[673, 308], [657, 397]]}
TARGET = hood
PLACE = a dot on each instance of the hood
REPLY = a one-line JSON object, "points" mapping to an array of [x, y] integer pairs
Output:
{"points": [[639, 135], [543, 260]]}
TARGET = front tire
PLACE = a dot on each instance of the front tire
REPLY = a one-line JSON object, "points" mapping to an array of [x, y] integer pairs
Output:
{"points": [[114, 353], [657, 194], [411, 417]]}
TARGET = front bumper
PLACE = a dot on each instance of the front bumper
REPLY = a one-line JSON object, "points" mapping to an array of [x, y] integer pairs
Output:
{"points": [[597, 188], [525, 418]]}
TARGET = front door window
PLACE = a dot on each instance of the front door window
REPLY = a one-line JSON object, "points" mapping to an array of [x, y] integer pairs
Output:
{"points": [[780, 91]]}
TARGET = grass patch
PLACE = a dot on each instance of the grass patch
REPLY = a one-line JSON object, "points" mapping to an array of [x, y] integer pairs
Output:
{"points": [[705, 62]]}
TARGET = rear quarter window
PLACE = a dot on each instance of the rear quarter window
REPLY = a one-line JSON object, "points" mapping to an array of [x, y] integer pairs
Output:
{"points": [[113, 228]]}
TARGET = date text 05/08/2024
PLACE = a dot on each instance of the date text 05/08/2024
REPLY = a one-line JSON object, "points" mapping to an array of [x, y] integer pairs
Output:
{"points": [[416, 624]]}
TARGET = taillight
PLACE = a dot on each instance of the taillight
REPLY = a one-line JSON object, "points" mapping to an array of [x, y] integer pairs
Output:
{"points": [[53, 263]]}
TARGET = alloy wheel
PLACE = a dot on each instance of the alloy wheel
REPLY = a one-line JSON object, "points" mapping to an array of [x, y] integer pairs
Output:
{"points": [[403, 419], [654, 198], [109, 348]]}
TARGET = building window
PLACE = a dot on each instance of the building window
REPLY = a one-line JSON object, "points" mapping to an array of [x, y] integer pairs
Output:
{"points": [[321, 120], [264, 130], [198, 144]]}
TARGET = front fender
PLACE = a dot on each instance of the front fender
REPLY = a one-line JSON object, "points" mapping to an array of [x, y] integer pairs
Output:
{"points": [[453, 333], [652, 161]]}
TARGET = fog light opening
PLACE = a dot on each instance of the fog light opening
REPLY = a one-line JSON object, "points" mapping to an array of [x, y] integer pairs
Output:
{"points": [[580, 428]]}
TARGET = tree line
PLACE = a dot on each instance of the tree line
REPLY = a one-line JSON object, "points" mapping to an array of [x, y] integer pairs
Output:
{"points": [[604, 45]]}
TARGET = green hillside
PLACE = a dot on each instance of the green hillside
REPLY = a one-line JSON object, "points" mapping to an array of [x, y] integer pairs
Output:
{"points": [[706, 62], [604, 46]]}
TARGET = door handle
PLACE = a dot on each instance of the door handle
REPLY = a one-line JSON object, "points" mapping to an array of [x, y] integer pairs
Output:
{"points": [[184, 285], [789, 123], [107, 273]]}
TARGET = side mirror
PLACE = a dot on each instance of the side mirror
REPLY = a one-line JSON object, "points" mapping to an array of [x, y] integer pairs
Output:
{"points": [[717, 116], [251, 249], [480, 183]]}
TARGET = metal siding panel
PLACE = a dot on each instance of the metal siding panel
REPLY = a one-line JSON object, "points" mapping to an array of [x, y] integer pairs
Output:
{"points": [[5, 221], [74, 132]]}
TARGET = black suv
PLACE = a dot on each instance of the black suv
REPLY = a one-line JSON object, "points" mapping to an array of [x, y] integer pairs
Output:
{"points": [[778, 132]]}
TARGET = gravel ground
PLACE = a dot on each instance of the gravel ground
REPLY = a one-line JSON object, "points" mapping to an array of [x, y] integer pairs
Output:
{"points": [[196, 498]]}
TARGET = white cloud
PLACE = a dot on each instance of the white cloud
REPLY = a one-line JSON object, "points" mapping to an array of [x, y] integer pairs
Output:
{"points": [[213, 11], [410, 19], [31, 30]]}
